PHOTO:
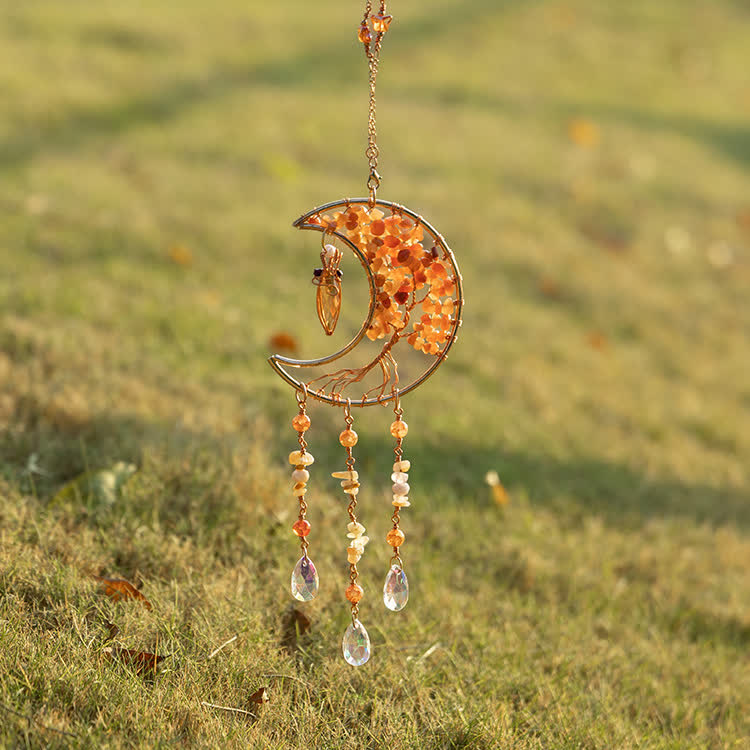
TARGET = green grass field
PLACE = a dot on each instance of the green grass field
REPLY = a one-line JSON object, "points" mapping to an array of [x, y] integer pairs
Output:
{"points": [[589, 163]]}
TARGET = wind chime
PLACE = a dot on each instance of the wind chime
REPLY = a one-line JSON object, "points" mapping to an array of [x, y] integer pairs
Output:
{"points": [[415, 301]]}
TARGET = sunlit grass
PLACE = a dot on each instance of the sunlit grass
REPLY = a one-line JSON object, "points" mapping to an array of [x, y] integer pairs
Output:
{"points": [[589, 167]]}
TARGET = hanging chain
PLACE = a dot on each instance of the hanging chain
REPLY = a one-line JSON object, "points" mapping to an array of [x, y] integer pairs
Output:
{"points": [[350, 460], [302, 403], [398, 453], [380, 23]]}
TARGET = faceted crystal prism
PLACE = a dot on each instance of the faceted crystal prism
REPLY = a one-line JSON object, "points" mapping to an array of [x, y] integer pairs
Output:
{"points": [[396, 589], [356, 644], [304, 580]]}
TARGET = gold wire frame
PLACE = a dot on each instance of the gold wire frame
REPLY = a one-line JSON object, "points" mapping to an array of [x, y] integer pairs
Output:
{"points": [[277, 361]]}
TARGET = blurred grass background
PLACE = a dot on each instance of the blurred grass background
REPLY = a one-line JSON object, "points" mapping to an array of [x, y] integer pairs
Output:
{"points": [[588, 163]]}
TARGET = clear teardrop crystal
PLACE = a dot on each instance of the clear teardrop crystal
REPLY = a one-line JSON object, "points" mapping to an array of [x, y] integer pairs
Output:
{"points": [[304, 580], [396, 589], [356, 644]]}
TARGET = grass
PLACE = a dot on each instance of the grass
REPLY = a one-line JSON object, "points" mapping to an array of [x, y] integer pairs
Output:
{"points": [[588, 163]]}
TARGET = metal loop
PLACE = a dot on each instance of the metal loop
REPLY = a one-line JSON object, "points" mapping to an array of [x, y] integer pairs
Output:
{"points": [[303, 400], [396, 402]]}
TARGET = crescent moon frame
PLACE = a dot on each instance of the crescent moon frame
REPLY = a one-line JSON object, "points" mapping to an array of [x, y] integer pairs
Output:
{"points": [[279, 363]]}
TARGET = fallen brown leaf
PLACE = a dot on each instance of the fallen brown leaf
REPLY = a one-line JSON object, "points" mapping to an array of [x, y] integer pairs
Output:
{"points": [[743, 218], [141, 661], [583, 132], [499, 493], [283, 341], [597, 340], [260, 696], [118, 589], [550, 288], [181, 255]]}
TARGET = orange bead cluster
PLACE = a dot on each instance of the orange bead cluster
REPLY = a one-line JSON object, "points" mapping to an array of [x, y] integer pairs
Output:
{"points": [[406, 273], [301, 460], [381, 22]]}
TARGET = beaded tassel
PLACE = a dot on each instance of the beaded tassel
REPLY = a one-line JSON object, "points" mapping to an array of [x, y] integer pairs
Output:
{"points": [[396, 587], [356, 641], [304, 576]]}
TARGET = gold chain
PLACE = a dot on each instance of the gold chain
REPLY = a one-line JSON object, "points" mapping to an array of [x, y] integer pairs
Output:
{"points": [[372, 44]]}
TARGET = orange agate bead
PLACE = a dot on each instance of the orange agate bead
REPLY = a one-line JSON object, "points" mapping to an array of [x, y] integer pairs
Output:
{"points": [[348, 438], [301, 422], [364, 34], [354, 593], [395, 537], [301, 527], [381, 23], [399, 428]]}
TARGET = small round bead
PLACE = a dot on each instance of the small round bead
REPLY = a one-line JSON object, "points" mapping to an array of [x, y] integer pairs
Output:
{"points": [[401, 488], [301, 423], [348, 438], [300, 475], [400, 502], [301, 527], [298, 458], [399, 428], [402, 465], [399, 476], [395, 537], [354, 593]]}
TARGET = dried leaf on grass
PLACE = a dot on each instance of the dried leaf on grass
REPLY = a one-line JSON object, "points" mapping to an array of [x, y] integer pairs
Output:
{"points": [[102, 486], [181, 255], [142, 662], [294, 624], [499, 493], [583, 132], [597, 340], [283, 341], [743, 218], [260, 696], [118, 589], [550, 288]]}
